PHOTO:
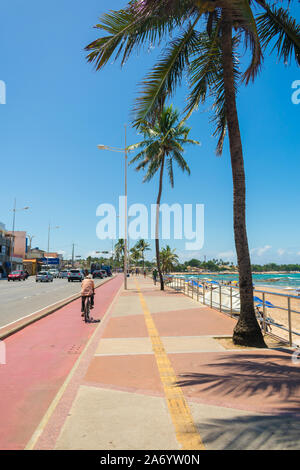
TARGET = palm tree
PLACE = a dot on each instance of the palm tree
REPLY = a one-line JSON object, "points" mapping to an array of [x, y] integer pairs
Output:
{"points": [[135, 255], [168, 259], [142, 246], [208, 51], [119, 250], [163, 144]]}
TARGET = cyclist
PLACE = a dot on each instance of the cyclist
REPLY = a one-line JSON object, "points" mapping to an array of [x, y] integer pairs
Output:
{"points": [[87, 290]]}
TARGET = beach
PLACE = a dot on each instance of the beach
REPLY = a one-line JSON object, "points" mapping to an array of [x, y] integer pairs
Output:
{"points": [[281, 316]]}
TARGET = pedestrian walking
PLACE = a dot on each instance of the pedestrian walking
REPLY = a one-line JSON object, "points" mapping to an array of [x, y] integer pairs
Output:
{"points": [[154, 274]]}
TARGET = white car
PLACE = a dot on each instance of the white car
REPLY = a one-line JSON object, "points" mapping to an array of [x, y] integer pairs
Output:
{"points": [[54, 272], [44, 276], [63, 274]]}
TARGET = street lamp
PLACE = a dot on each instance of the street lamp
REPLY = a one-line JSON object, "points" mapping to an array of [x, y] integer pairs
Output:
{"points": [[30, 237], [124, 150], [49, 228], [12, 243]]}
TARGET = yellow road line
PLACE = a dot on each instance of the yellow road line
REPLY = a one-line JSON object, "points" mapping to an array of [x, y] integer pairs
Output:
{"points": [[185, 429]]}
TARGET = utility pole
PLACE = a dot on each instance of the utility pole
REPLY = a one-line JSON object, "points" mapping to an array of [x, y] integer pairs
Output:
{"points": [[73, 255], [49, 228], [12, 238]]}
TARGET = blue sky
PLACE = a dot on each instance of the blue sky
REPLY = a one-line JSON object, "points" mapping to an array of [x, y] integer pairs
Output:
{"points": [[58, 109]]}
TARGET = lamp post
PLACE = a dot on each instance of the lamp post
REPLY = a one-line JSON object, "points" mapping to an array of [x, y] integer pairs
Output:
{"points": [[12, 243], [30, 237], [124, 150], [49, 228]]}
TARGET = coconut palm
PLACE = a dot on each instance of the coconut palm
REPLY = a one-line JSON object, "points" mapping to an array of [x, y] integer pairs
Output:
{"points": [[163, 144], [209, 36], [168, 259], [135, 255], [119, 250], [142, 246]]}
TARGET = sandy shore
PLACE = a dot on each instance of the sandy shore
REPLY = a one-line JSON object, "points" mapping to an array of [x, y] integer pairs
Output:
{"points": [[279, 315]]}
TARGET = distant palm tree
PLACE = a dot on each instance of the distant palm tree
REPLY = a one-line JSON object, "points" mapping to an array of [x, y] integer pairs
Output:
{"points": [[119, 250], [168, 259], [135, 255], [142, 246], [163, 144]]}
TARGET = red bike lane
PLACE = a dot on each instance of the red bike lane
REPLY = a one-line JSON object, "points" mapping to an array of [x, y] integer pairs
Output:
{"points": [[38, 360]]}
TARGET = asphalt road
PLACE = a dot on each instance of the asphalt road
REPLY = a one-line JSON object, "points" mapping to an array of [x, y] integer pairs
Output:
{"points": [[21, 298]]}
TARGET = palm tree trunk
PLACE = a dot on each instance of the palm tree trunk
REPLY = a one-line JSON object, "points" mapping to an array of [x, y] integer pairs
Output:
{"points": [[162, 287], [247, 331]]}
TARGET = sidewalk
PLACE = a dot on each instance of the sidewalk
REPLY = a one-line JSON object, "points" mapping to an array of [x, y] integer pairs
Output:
{"points": [[155, 376]]}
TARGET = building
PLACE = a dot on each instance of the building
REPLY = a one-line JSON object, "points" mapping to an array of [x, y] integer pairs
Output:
{"points": [[20, 243], [35, 253], [33, 260], [19, 248], [5, 243]]}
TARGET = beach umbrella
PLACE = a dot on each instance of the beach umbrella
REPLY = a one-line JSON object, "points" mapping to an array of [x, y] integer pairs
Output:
{"points": [[259, 301]]}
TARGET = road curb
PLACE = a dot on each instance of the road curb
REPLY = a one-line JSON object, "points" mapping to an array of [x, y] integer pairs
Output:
{"points": [[5, 332]]}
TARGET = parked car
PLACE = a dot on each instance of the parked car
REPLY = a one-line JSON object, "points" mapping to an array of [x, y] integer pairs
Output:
{"points": [[98, 274], [44, 276], [63, 274], [54, 272], [104, 273], [17, 276], [75, 275]]}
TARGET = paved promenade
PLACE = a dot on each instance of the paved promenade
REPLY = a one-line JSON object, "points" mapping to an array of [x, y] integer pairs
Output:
{"points": [[155, 375]]}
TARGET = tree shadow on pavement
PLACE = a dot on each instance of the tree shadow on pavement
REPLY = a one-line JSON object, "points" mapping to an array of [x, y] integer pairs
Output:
{"points": [[258, 432], [248, 375]]}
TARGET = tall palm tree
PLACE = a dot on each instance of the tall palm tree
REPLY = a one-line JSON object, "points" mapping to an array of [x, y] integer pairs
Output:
{"points": [[168, 259], [142, 246], [163, 144], [209, 35]]}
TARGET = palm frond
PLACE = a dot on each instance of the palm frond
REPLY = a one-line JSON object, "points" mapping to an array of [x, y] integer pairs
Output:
{"points": [[170, 171], [166, 74], [203, 69], [206, 78], [243, 20], [127, 31], [276, 24]]}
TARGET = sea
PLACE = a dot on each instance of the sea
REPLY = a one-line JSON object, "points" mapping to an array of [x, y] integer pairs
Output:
{"points": [[288, 281]]}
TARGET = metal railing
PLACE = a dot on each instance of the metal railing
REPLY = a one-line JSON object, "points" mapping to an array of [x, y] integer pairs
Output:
{"points": [[225, 298]]}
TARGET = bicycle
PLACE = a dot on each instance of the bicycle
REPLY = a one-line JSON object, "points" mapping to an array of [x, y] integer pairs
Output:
{"points": [[87, 308]]}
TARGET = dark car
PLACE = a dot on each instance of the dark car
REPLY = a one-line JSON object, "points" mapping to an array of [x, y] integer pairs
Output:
{"points": [[17, 276], [98, 274]]}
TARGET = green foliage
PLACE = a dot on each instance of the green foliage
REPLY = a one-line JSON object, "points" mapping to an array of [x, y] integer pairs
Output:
{"points": [[165, 138], [168, 258], [275, 267], [191, 33]]}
